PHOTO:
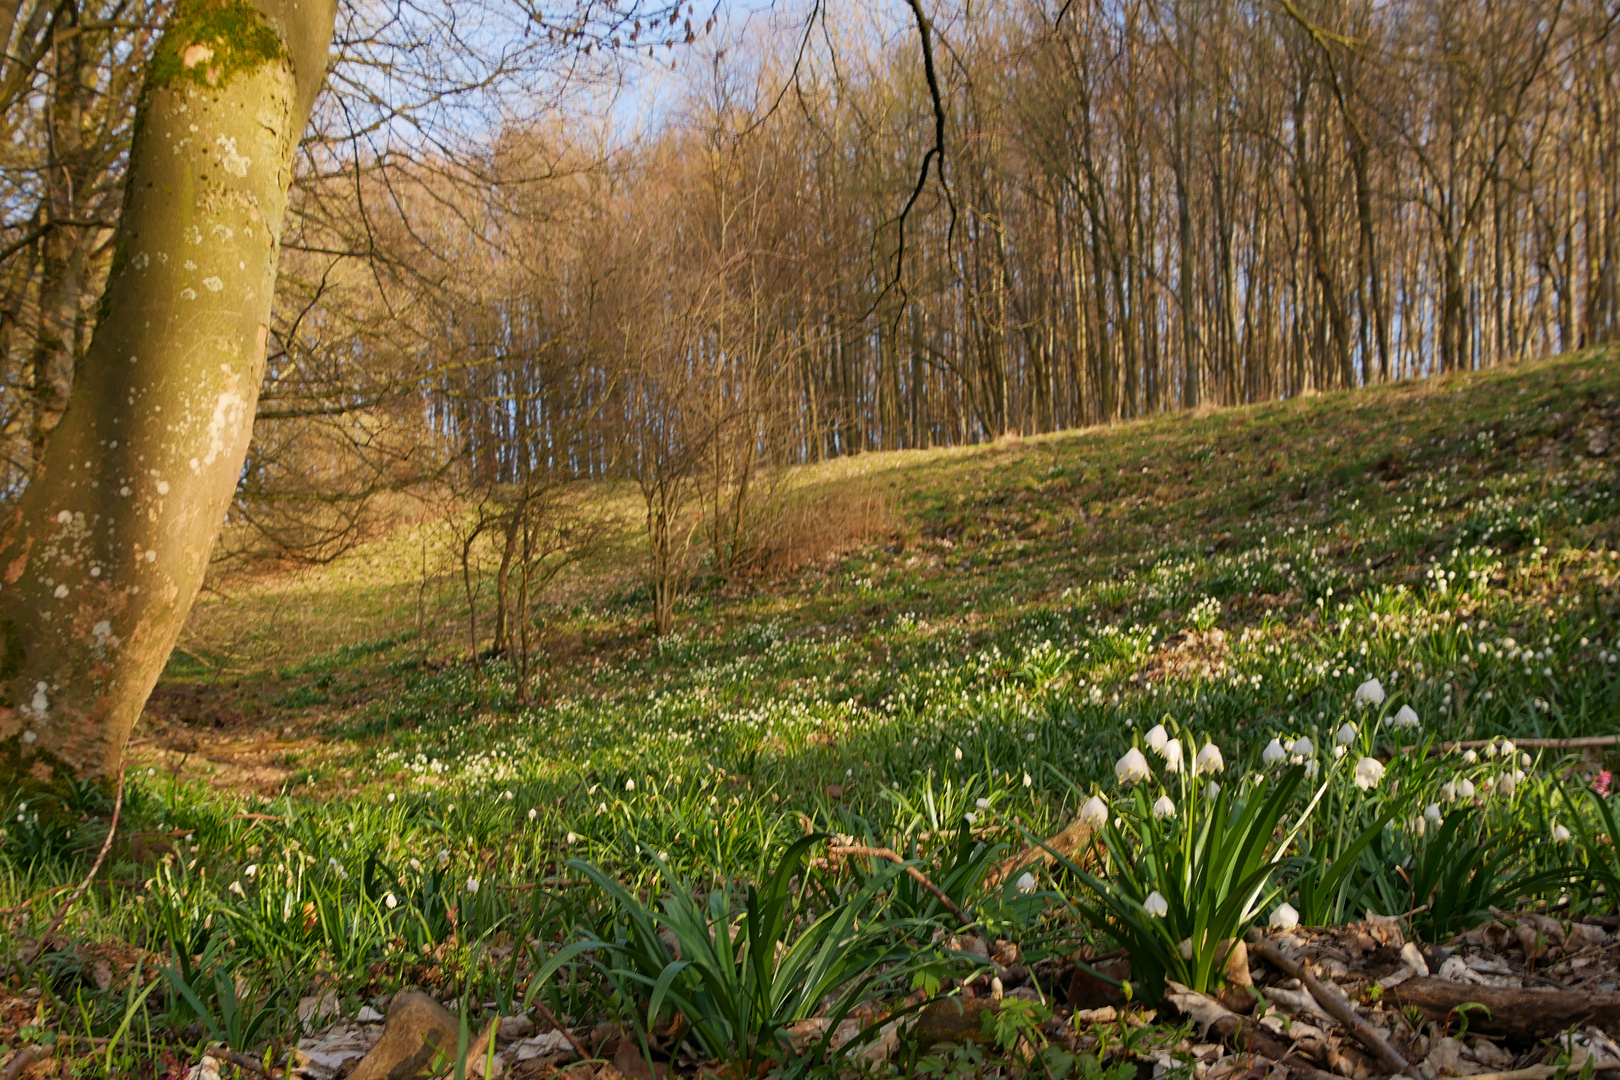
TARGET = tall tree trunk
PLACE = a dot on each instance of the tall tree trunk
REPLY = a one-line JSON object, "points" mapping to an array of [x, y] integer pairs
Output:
{"points": [[105, 551]]}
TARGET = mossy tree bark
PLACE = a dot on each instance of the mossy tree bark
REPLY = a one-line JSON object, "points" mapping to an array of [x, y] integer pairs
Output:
{"points": [[103, 555]]}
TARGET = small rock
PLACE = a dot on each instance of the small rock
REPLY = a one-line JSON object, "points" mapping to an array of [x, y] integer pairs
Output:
{"points": [[419, 1031]]}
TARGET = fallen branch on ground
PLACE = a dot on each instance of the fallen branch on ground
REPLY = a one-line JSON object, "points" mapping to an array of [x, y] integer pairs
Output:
{"points": [[1340, 1010], [1516, 1013]]}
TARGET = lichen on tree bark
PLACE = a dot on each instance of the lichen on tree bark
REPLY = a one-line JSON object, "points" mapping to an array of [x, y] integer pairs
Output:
{"points": [[102, 556]]}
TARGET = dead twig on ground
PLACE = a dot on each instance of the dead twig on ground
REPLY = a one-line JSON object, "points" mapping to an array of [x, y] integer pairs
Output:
{"points": [[1336, 1007], [916, 875], [95, 868]]}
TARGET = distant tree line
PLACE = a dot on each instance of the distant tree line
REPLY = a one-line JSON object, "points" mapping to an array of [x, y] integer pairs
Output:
{"points": [[1143, 206]]}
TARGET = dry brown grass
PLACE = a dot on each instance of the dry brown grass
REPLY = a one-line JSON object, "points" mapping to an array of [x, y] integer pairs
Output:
{"points": [[824, 521]]}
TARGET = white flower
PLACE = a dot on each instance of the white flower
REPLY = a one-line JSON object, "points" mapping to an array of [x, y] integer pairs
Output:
{"points": [[236, 887], [533, 813], [1465, 788], [1470, 757], [1419, 826], [1370, 692], [1432, 811], [1508, 748], [1212, 790], [1448, 791], [1525, 760], [1302, 747], [1507, 784], [1156, 905], [970, 817], [629, 785], [601, 808], [1028, 781], [1312, 767], [958, 753], [1185, 948], [1026, 882], [570, 839], [250, 870], [1131, 767], [1368, 772], [1094, 813], [1406, 717], [1209, 760], [1345, 735], [1164, 807], [1338, 752], [982, 804], [1560, 833], [1157, 737], [1284, 917], [1172, 753], [391, 901], [472, 885], [390, 796], [507, 796], [1273, 752]]}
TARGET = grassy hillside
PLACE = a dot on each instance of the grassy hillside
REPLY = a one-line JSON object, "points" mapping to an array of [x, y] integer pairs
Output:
{"points": [[1030, 608], [1287, 527]]}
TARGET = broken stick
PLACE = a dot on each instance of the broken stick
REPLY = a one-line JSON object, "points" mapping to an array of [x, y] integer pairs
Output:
{"points": [[1340, 1010]]}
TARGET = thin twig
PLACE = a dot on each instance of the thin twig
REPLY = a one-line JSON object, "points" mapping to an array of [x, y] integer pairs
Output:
{"points": [[584, 1054], [101, 857], [1337, 1008], [916, 875], [1582, 743], [1543, 1072], [27, 1056]]}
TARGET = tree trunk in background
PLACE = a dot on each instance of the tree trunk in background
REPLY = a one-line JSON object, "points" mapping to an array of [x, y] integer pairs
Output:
{"points": [[104, 553]]}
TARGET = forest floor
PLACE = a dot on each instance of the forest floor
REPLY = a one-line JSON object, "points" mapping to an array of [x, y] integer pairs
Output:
{"points": [[950, 653]]}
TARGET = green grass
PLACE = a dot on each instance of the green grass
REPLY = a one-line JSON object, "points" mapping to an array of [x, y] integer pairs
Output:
{"points": [[1040, 605]]}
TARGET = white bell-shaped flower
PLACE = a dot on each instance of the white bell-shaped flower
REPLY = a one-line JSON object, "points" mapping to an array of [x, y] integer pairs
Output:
{"points": [[1284, 917], [1209, 760], [1132, 767], [1369, 771], [1172, 753], [1156, 905], [1465, 788], [1560, 834], [1302, 747], [1164, 808], [1273, 752], [1432, 812], [1370, 692], [1157, 737], [1345, 735], [1026, 882], [1406, 717], [1094, 812]]}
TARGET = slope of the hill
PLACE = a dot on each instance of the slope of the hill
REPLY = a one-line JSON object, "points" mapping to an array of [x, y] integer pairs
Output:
{"points": [[1243, 563]]}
